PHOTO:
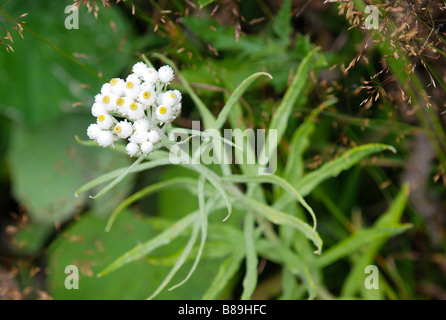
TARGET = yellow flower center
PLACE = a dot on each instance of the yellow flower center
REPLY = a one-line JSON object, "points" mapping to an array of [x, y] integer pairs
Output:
{"points": [[172, 95], [101, 118], [120, 102], [129, 85], [106, 99], [113, 81], [133, 106], [146, 95], [117, 129], [163, 110]]}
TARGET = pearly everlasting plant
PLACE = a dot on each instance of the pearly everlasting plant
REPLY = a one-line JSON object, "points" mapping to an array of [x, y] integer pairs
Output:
{"points": [[136, 109], [139, 111]]}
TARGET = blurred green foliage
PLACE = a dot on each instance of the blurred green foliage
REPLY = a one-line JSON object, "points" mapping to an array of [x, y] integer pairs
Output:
{"points": [[358, 212]]}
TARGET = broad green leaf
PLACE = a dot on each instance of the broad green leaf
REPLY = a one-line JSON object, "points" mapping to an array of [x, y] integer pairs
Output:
{"points": [[165, 237], [46, 78], [30, 239], [85, 245], [142, 250], [47, 165]]}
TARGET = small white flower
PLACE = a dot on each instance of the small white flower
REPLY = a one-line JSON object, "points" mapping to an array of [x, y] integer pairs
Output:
{"points": [[169, 98], [133, 78], [102, 98], [132, 85], [139, 69], [165, 74], [123, 129], [135, 111], [163, 113], [139, 136], [153, 136], [93, 131], [97, 109], [117, 86], [110, 106], [132, 148], [141, 124], [146, 147], [178, 94], [122, 105], [105, 121], [106, 89], [147, 95], [176, 109], [150, 76], [105, 138], [132, 90]]}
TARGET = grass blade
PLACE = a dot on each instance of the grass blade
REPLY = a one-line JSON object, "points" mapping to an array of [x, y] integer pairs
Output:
{"points": [[278, 253], [357, 240], [235, 96], [280, 118], [391, 216], [300, 141], [165, 237], [335, 167], [331, 169], [184, 182], [181, 260], [278, 181], [227, 270], [116, 173], [204, 229], [250, 280], [215, 182], [281, 218], [203, 134], [118, 179]]}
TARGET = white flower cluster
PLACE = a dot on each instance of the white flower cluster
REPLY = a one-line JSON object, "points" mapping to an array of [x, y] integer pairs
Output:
{"points": [[135, 109]]}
